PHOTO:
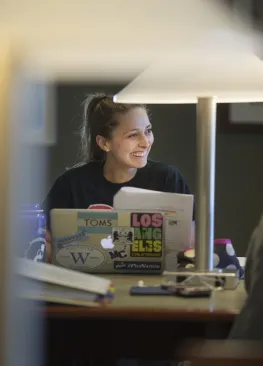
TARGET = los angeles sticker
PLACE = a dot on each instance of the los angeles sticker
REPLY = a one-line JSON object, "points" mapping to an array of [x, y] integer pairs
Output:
{"points": [[148, 234]]}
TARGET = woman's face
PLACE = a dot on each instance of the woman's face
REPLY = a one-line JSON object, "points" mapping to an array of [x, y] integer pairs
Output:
{"points": [[132, 139]]}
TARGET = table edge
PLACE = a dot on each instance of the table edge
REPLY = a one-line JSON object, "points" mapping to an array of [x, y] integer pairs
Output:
{"points": [[140, 313]]}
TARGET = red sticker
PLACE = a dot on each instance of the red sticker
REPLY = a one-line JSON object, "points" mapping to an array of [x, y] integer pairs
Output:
{"points": [[100, 206]]}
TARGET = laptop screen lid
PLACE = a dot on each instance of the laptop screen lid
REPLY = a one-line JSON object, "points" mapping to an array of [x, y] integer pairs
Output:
{"points": [[103, 238]]}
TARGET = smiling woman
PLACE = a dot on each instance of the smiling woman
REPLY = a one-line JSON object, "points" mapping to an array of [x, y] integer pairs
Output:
{"points": [[115, 143]]}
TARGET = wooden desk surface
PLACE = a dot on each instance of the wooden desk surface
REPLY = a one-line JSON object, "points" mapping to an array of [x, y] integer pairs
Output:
{"points": [[137, 327], [222, 305]]}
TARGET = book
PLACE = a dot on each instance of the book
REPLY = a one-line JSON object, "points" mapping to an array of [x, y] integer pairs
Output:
{"points": [[46, 282]]}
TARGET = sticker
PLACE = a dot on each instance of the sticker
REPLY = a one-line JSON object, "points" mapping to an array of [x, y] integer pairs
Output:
{"points": [[148, 234], [173, 222], [74, 238], [118, 254], [100, 206], [97, 222], [36, 250], [79, 257], [107, 243], [123, 235], [156, 266], [41, 231]]}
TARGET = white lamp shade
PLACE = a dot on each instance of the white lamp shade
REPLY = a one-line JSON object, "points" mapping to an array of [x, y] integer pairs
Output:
{"points": [[230, 77]]}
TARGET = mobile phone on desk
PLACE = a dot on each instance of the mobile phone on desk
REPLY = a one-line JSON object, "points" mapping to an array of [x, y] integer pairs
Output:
{"points": [[151, 291], [196, 291]]}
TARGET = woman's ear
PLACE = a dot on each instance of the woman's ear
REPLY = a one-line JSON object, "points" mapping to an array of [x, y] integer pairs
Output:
{"points": [[102, 143]]}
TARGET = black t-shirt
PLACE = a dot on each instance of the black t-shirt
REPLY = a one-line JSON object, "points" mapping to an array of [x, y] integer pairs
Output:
{"points": [[85, 185]]}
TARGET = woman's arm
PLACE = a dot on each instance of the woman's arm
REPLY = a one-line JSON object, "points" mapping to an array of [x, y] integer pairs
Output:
{"points": [[192, 239], [48, 247]]}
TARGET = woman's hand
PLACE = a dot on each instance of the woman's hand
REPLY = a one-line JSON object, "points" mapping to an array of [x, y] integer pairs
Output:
{"points": [[192, 239], [48, 247]]}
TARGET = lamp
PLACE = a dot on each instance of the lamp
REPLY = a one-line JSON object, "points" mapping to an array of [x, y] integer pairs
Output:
{"points": [[197, 76]]}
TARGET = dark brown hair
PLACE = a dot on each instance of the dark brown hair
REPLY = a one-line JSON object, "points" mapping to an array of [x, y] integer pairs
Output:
{"points": [[100, 118]]}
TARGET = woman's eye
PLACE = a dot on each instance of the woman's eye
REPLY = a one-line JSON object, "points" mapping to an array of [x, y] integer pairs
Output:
{"points": [[149, 131], [132, 136]]}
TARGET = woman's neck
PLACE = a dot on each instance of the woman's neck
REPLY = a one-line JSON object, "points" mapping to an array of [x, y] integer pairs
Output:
{"points": [[116, 174]]}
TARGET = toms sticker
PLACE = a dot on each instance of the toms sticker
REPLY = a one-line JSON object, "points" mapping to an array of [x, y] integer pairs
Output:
{"points": [[79, 257], [147, 266], [123, 235], [97, 222]]}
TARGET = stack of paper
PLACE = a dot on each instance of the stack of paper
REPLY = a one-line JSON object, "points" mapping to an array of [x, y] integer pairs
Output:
{"points": [[46, 282]]}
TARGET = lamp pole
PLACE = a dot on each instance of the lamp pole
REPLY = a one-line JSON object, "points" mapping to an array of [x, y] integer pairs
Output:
{"points": [[205, 193]]}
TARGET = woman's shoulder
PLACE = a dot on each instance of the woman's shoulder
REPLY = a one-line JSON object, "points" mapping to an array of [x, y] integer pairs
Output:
{"points": [[80, 170], [166, 177]]}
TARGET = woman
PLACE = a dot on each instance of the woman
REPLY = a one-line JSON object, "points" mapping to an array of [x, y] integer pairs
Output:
{"points": [[116, 140]]}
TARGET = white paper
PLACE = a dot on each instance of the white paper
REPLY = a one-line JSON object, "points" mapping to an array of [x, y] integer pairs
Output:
{"points": [[138, 198]]}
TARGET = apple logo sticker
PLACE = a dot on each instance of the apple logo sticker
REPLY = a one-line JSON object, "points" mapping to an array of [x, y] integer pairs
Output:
{"points": [[107, 243]]}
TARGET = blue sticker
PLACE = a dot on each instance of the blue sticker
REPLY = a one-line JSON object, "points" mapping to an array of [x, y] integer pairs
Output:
{"points": [[63, 241]]}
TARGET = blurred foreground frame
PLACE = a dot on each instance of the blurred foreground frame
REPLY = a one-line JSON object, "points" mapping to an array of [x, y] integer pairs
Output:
{"points": [[6, 73], [221, 353]]}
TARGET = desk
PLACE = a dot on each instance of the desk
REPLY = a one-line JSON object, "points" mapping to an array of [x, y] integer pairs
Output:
{"points": [[135, 326]]}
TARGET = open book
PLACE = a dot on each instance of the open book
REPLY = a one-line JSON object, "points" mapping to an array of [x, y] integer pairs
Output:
{"points": [[42, 281]]}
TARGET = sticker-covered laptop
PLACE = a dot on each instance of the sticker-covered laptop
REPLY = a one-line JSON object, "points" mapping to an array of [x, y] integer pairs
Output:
{"points": [[104, 241]]}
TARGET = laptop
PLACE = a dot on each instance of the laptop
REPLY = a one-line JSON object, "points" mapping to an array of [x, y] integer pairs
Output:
{"points": [[105, 241]]}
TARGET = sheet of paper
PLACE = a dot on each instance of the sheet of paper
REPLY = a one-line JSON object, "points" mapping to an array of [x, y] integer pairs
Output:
{"points": [[137, 198]]}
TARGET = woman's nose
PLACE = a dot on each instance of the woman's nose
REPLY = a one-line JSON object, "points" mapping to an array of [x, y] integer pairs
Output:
{"points": [[144, 142]]}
